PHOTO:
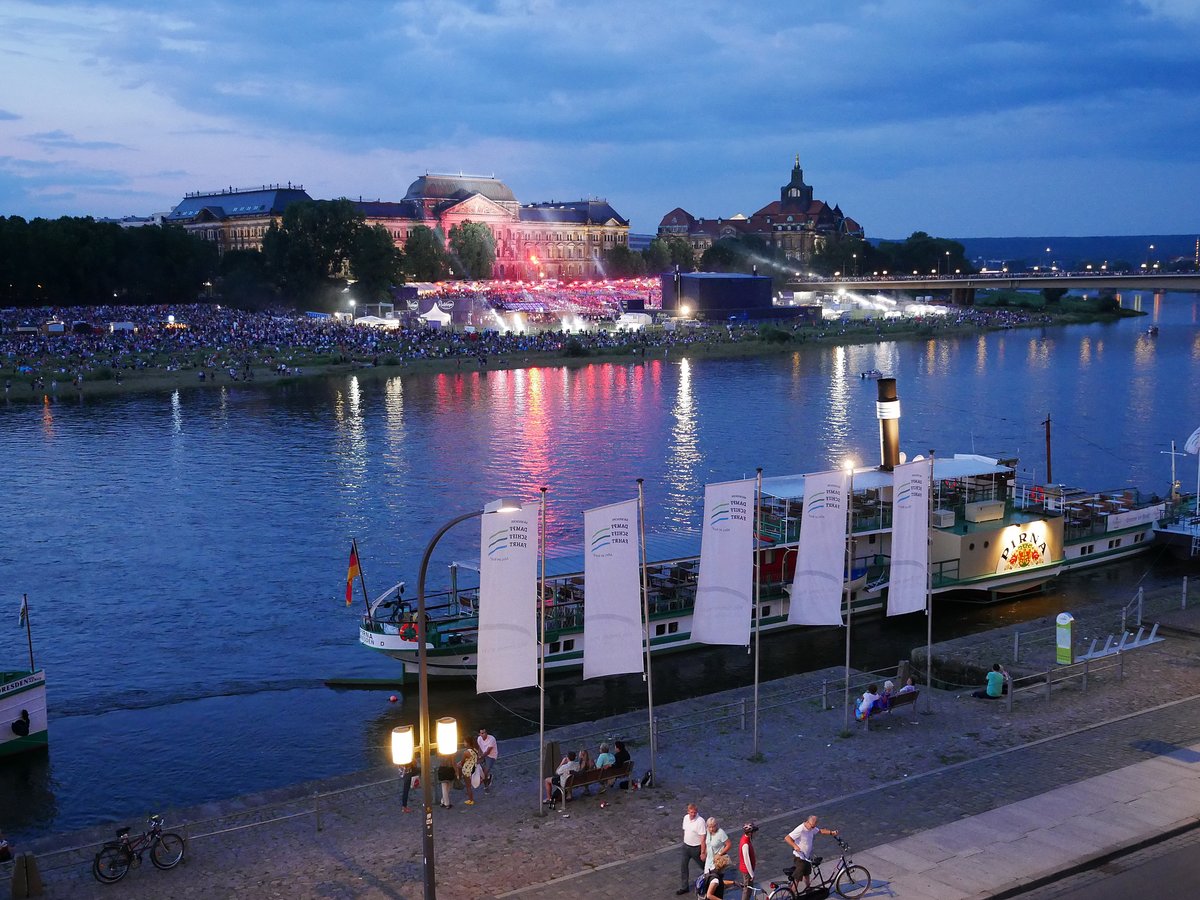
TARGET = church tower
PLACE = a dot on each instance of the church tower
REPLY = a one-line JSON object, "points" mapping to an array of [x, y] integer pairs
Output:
{"points": [[796, 194]]}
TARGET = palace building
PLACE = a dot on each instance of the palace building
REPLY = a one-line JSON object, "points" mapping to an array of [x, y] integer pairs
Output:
{"points": [[795, 223], [536, 240], [235, 218]]}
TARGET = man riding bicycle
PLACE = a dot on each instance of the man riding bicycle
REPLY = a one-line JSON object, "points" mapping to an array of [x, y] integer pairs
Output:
{"points": [[801, 841]]}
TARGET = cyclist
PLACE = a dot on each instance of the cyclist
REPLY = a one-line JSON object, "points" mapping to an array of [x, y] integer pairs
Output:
{"points": [[801, 840]]}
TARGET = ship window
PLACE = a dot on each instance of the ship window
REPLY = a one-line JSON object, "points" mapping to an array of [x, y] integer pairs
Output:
{"points": [[555, 647], [986, 544], [660, 629], [870, 539], [569, 645], [766, 610], [971, 546], [672, 627], [1114, 544]]}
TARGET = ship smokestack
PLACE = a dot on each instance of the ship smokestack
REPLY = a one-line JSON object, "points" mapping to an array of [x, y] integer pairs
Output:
{"points": [[887, 410]]}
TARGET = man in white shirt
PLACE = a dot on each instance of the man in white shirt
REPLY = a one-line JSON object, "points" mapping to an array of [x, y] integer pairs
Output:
{"points": [[694, 832], [801, 842], [488, 751]]}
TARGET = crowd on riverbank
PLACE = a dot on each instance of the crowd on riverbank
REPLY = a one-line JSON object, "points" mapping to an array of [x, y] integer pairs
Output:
{"points": [[104, 342]]}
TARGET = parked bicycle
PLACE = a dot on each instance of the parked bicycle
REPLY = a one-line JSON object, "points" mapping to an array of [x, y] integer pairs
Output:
{"points": [[116, 858], [848, 879]]}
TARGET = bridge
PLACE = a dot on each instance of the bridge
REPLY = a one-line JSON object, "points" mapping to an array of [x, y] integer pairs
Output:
{"points": [[962, 288]]}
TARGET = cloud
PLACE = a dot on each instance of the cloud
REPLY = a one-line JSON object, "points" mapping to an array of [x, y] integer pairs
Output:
{"points": [[6, 116], [61, 140]]}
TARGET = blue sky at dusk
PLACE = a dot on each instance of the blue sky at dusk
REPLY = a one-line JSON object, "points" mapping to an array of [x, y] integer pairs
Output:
{"points": [[963, 119]]}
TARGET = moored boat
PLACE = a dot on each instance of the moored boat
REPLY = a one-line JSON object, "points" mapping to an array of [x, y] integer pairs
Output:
{"points": [[1179, 531], [990, 534], [22, 711]]}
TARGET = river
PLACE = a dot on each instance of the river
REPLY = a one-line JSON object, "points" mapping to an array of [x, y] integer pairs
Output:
{"points": [[185, 554]]}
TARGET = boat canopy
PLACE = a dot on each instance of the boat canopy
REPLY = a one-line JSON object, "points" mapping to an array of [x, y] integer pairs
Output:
{"points": [[961, 465], [660, 548]]}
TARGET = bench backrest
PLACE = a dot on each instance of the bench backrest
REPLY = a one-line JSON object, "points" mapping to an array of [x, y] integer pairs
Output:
{"points": [[593, 775]]}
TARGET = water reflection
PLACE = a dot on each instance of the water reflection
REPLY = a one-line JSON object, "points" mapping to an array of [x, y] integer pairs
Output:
{"points": [[684, 451]]}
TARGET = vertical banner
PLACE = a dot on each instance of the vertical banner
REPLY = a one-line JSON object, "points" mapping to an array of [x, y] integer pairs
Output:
{"points": [[723, 589], [821, 556], [908, 587], [612, 616], [508, 557]]}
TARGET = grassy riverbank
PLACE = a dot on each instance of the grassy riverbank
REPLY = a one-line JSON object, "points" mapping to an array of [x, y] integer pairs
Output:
{"points": [[160, 371]]}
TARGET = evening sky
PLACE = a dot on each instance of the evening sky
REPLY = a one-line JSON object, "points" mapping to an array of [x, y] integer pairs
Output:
{"points": [[1006, 117]]}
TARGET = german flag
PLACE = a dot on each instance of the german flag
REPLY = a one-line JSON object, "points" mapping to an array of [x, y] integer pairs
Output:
{"points": [[355, 571]]}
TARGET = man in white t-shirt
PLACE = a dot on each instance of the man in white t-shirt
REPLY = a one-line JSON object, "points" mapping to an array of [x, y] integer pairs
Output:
{"points": [[694, 832], [488, 751], [801, 842]]}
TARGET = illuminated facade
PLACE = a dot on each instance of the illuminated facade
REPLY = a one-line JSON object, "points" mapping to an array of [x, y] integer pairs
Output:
{"points": [[538, 240], [795, 224]]}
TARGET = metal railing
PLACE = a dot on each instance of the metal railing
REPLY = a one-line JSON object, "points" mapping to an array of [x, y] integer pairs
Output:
{"points": [[1045, 681]]}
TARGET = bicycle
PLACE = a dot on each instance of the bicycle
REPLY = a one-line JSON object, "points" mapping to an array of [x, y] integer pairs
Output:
{"points": [[848, 879], [116, 858]]}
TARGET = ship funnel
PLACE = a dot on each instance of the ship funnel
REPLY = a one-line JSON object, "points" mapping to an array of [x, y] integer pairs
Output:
{"points": [[887, 410]]}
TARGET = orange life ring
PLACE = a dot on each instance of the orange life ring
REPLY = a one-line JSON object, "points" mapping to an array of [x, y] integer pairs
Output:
{"points": [[408, 631], [1037, 494]]}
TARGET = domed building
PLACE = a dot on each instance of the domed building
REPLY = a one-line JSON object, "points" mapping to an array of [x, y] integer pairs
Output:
{"points": [[796, 224], [536, 240]]}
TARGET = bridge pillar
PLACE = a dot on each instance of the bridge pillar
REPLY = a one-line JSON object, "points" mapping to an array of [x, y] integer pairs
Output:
{"points": [[962, 296]]}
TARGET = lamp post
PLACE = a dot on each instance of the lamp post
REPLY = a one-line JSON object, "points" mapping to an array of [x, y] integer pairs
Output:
{"points": [[448, 731]]}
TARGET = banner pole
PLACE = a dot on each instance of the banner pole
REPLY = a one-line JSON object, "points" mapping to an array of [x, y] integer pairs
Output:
{"points": [[757, 597], [646, 629], [849, 595], [929, 597], [542, 663]]}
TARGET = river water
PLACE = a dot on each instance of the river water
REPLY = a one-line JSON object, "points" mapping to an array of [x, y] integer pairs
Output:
{"points": [[185, 554]]}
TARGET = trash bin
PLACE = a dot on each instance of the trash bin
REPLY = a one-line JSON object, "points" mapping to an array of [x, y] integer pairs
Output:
{"points": [[1064, 644]]}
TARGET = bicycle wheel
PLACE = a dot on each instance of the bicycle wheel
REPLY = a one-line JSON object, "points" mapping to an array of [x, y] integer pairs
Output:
{"points": [[782, 893], [853, 882], [167, 851], [110, 864]]}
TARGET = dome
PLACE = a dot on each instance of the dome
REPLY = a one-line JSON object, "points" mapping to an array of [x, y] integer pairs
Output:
{"points": [[458, 187]]}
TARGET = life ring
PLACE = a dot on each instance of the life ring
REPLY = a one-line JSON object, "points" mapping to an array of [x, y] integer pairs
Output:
{"points": [[1037, 494], [408, 631]]}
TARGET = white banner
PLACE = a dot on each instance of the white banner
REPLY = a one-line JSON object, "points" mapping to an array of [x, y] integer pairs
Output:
{"points": [[821, 557], [612, 616], [908, 585], [726, 580], [508, 558]]}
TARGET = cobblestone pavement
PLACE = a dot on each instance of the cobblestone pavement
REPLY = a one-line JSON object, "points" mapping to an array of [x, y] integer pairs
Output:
{"points": [[914, 770]]}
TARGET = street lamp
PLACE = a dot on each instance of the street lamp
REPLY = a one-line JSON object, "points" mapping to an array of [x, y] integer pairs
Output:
{"points": [[447, 733]]}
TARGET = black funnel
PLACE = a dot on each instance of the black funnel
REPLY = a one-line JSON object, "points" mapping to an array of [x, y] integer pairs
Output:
{"points": [[887, 410]]}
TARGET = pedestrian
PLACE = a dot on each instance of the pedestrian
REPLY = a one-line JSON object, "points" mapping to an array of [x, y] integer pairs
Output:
{"points": [[747, 860], [693, 847], [716, 843], [801, 840], [445, 777], [464, 769], [714, 883], [489, 751], [407, 775], [994, 689]]}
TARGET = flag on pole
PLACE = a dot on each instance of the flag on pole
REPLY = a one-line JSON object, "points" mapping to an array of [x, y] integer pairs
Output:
{"points": [[724, 587], [24, 610], [508, 589], [612, 620], [1193, 443], [820, 578], [909, 587], [355, 571]]}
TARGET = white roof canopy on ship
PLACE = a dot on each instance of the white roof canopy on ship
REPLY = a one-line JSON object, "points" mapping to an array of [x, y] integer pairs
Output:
{"points": [[961, 465]]}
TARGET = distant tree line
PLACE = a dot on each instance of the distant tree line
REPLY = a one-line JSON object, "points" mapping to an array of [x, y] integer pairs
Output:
{"points": [[78, 261]]}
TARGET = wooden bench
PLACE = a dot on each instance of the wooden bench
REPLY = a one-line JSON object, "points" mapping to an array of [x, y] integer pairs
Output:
{"points": [[906, 699], [589, 777]]}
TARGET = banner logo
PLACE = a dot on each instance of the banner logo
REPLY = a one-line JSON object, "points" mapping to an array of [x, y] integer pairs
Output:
{"points": [[724, 514], [616, 533], [514, 536]]}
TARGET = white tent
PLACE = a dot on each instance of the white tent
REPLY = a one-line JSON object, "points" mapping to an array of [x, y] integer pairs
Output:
{"points": [[435, 316]]}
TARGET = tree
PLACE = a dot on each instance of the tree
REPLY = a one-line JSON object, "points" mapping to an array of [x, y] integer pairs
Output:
{"points": [[621, 262], [657, 256], [244, 280], [425, 255], [311, 247], [681, 253], [472, 250], [375, 262]]}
